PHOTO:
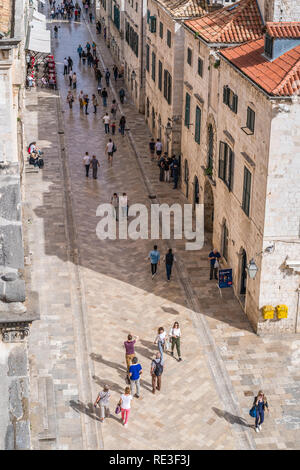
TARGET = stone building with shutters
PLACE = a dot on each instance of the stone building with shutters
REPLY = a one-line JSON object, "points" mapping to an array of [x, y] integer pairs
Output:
{"points": [[164, 60], [239, 152], [110, 13]]}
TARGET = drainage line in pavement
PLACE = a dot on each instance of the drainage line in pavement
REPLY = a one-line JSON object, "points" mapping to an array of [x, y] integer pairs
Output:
{"points": [[216, 364]]}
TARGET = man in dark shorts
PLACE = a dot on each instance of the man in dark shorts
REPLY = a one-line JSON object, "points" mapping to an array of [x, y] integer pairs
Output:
{"points": [[158, 147], [152, 148]]}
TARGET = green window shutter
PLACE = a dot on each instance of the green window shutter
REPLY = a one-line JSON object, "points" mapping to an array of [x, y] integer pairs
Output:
{"points": [[169, 98], [231, 169], [250, 119], [165, 84], [198, 125], [169, 38], [153, 24], [222, 157], [147, 57], [159, 75], [187, 110], [200, 66], [235, 103], [148, 16], [225, 94], [246, 191], [161, 30], [153, 66]]}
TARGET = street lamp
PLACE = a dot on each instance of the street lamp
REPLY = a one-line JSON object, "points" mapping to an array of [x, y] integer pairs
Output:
{"points": [[252, 269], [168, 128]]}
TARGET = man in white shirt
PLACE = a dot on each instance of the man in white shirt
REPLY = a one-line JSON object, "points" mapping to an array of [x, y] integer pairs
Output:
{"points": [[109, 149], [87, 163], [123, 203], [66, 66], [106, 120]]}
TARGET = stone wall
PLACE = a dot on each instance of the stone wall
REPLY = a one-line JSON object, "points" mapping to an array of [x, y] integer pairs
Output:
{"points": [[5, 16], [279, 282], [280, 10]]}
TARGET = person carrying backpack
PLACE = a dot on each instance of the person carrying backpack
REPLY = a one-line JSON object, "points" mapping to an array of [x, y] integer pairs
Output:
{"points": [[157, 368], [169, 259]]}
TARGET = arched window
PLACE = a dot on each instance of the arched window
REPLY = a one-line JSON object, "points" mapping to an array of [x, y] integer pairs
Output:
{"points": [[210, 152], [225, 240]]}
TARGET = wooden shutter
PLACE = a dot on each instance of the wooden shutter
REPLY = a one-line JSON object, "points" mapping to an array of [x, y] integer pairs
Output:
{"points": [[187, 110], [169, 85], [231, 169], [235, 103], [246, 191], [148, 57], [165, 84], [225, 94], [159, 75], [222, 156], [198, 125]]}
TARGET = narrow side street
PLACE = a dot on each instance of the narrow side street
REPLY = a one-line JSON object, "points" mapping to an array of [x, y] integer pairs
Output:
{"points": [[93, 293]]}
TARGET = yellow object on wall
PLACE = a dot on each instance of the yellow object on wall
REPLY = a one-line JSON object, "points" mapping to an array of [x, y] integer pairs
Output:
{"points": [[268, 312], [282, 311]]}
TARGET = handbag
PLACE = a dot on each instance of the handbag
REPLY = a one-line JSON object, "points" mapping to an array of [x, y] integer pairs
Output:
{"points": [[252, 412], [216, 265], [118, 409]]}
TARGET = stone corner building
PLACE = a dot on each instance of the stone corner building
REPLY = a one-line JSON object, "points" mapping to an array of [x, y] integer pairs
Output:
{"points": [[16, 314], [240, 149]]}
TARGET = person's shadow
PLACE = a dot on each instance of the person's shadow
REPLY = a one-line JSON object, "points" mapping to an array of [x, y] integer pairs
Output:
{"points": [[230, 418], [112, 385], [81, 407]]}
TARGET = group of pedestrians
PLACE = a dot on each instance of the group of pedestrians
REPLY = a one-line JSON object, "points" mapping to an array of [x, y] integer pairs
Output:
{"points": [[91, 163], [66, 10], [154, 257]]}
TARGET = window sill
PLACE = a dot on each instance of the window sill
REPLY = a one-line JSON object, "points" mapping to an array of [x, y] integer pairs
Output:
{"points": [[247, 130]]}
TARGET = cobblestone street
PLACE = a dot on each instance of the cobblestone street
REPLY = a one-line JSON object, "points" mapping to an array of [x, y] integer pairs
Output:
{"points": [[93, 293]]}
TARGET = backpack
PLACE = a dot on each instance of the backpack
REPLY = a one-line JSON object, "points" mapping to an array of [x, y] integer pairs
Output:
{"points": [[114, 149], [159, 368]]}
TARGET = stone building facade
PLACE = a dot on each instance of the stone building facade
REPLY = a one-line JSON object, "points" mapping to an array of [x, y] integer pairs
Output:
{"points": [[164, 68], [239, 142]]}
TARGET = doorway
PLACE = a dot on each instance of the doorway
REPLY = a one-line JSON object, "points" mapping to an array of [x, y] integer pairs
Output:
{"points": [[243, 287], [196, 192], [208, 210]]}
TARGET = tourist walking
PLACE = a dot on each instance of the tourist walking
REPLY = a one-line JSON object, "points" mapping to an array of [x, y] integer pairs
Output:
{"points": [[122, 124], [70, 64], [81, 99], [156, 371], [129, 349], [79, 50], [125, 404], [70, 99], [169, 258], [113, 127], [87, 163], [161, 165], [116, 72], [261, 405], [160, 340], [102, 401], [65, 66], [115, 203], [94, 49], [214, 257], [74, 81], [152, 148], [122, 95], [83, 56], [109, 150], [154, 257], [167, 170], [55, 31], [106, 121], [86, 103], [95, 103], [104, 95], [95, 165], [107, 77], [175, 172], [70, 78], [114, 109], [123, 204], [135, 372], [158, 148], [175, 335]]}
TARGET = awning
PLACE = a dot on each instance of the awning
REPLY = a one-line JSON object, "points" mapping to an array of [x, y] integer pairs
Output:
{"points": [[39, 16], [39, 40]]}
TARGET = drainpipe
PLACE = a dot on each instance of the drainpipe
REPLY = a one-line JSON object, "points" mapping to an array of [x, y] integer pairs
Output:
{"points": [[297, 311]]}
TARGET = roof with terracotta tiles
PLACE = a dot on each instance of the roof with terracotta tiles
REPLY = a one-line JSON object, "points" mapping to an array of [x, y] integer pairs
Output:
{"points": [[281, 77], [283, 30], [236, 23], [185, 8]]}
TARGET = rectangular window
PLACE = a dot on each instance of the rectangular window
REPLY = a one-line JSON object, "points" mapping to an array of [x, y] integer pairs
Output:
{"points": [[200, 67], [250, 119], [167, 86], [189, 56], [152, 24], [169, 38], [230, 99], [226, 164], [148, 16], [246, 191], [198, 125], [153, 73], [187, 110], [161, 30], [160, 75], [147, 57]]}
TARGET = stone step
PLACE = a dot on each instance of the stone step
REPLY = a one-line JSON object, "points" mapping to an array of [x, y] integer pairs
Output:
{"points": [[47, 400]]}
